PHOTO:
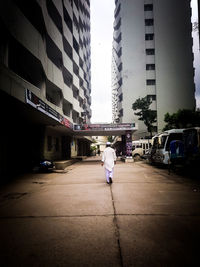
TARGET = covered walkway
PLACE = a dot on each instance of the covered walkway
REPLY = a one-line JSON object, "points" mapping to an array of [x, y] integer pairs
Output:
{"points": [[73, 218]]}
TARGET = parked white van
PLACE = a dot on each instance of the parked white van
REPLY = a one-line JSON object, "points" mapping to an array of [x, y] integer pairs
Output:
{"points": [[160, 151], [140, 147]]}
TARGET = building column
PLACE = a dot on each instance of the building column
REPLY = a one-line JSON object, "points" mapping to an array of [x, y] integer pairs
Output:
{"points": [[123, 145], [128, 144]]}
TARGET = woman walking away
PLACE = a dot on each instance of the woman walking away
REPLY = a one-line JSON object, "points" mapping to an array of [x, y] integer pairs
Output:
{"points": [[108, 160]]}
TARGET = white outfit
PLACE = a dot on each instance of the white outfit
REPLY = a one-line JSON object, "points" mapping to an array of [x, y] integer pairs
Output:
{"points": [[109, 158]]}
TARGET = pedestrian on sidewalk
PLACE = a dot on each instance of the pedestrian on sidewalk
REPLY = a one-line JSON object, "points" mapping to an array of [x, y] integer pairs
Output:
{"points": [[108, 160]]}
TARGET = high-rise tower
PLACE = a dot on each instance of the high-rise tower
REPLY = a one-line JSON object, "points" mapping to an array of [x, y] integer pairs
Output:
{"points": [[45, 79], [152, 56]]}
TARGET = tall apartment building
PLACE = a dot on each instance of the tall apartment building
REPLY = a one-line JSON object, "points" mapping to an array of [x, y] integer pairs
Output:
{"points": [[45, 78], [152, 56]]}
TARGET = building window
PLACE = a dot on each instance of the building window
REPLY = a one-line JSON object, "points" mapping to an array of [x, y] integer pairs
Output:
{"points": [[118, 39], [53, 52], [120, 67], [150, 66], [67, 19], [150, 51], [75, 45], [149, 36], [76, 23], [121, 112], [80, 24], [49, 98], [151, 82], [68, 78], [67, 48], [120, 82], [81, 62], [118, 25], [76, 2], [49, 143], [118, 10], [119, 53], [75, 69], [29, 9], [148, 7], [148, 22], [67, 108], [75, 93], [80, 82], [151, 97], [55, 15]]}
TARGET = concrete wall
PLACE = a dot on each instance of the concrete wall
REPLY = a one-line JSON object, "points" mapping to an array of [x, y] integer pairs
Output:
{"points": [[52, 151], [174, 68], [133, 58]]}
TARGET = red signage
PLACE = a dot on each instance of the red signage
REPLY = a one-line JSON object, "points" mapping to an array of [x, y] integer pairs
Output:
{"points": [[66, 122]]}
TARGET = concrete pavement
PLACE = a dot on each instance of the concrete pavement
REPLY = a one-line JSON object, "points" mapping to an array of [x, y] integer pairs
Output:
{"points": [[73, 218]]}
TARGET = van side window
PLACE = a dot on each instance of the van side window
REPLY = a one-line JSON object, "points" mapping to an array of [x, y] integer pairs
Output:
{"points": [[162, 141], [173, 136]]}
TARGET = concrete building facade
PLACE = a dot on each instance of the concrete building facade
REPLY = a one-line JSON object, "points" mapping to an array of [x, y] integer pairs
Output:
{"points": [[45, 79], [152, 56]]}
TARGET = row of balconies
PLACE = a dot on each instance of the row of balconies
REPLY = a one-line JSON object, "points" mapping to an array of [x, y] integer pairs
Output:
{"points": [[117, 110], [117, 9], [10, 82], [76, 58], [50, 67], [150, 46], [76, 71]]}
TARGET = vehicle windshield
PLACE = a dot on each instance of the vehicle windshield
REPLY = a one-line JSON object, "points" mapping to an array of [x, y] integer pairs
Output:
{"points": [[162, 141]]}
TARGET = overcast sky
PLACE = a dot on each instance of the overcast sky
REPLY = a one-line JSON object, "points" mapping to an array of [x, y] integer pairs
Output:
{"points": [[196, 52], [102, 18]]}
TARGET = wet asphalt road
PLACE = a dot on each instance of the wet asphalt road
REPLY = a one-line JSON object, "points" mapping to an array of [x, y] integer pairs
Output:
{"points": [[73, 218]]}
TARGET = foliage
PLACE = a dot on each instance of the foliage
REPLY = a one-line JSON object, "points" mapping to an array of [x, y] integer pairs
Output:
{"points": [[93, 148], [110, 139], [145, 114], [183, 118]]}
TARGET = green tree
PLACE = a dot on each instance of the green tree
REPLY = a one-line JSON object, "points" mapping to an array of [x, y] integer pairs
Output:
{"points": [[183, 118], [145, 114], [110, 139]]}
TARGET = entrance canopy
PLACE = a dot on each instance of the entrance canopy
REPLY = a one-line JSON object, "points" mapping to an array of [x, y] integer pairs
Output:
{"points": [[104, 129]]}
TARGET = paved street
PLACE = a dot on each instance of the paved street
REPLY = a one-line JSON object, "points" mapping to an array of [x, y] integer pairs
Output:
{"points": [[73, 218]]}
